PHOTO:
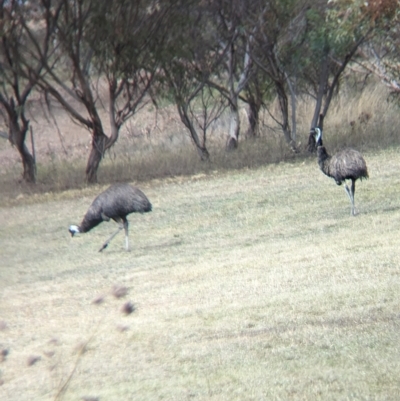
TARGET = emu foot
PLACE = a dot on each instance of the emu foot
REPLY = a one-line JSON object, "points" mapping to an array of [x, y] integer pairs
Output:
{"points": [[103, 247]]}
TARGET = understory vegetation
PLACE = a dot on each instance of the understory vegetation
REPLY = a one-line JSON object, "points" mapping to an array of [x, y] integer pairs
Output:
{"points": [[364, 119]]}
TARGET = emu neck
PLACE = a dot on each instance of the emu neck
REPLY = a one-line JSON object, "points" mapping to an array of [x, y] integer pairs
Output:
{"points": [[323, 160], [88, 224]]}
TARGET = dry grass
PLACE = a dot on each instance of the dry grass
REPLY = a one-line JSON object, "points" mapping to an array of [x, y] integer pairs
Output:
{"points": [[248, 285], [156, 145]]}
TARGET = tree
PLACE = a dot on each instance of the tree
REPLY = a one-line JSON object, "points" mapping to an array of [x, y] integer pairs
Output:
{"points": [[335, 33], [198, 106], [188, 60], [25, 44], [277, 27], [381, 54], [234, 72], [257, 93], [111, 44]]}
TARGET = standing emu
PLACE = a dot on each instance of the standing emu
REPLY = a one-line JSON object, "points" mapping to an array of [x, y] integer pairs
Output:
{"points": [[115, 203], [347, 164]]}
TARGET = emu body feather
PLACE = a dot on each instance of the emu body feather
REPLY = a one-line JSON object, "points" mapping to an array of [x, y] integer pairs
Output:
{"points": [[347, 164]]}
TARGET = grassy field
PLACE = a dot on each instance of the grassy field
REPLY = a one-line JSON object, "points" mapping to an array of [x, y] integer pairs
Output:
{"points": [[248, 285]]}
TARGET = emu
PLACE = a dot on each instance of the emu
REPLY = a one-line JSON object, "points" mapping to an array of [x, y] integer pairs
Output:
{"points": [[347, 164], [116, 202]]}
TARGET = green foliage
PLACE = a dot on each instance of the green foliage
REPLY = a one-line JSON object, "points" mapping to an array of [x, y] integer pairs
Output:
{"points": [[332, 32], [123, 35]]}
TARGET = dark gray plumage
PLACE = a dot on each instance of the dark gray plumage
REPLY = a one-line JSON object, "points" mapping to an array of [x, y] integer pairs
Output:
{"points": [[347, 164], [116, 202]]}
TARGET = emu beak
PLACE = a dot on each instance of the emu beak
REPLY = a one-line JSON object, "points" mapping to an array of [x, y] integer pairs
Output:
{"points": [[71, 232]]}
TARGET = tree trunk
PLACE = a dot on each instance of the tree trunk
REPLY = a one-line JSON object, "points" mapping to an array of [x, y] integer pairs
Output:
{"points": [[234, 120], [293, 103], [28, 163], [200, 145], [284, 106], [17, 137], [234, 126], [323, 79], [99, 146], [203, 152], [253, 117]]}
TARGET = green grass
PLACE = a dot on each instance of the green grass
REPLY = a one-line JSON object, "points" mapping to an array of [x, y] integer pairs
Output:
{"points": [[249, 285]]}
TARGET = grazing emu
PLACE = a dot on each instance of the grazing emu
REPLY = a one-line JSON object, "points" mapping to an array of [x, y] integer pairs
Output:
{"points": [[115, 203], [347, 164]]}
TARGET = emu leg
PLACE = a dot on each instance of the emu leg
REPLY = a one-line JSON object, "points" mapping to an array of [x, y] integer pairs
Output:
{"points": [[105, 245], [350, 195], [126, 225], [353, 190]]}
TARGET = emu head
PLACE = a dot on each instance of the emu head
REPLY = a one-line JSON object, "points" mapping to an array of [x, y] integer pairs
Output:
{"points": [[315, 139], [318, 136], [73, 230]]}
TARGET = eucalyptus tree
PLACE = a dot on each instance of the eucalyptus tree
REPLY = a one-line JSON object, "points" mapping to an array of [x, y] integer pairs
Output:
{"points": [[304, 47], [188, 61], [27, 33], [266, 37], [277, 28], [257, 94], [381, 54], [231, 76], [106, 45], [335, 32]]}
